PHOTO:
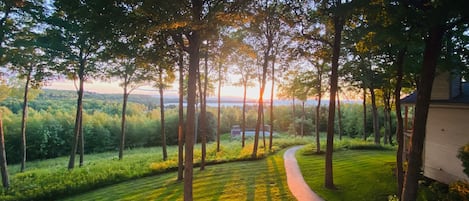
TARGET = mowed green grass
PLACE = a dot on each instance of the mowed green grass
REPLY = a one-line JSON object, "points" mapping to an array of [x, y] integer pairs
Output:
{"points": [[359, 175], [246, 180]]}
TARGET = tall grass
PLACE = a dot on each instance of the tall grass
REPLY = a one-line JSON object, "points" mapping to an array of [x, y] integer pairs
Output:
{"points": [[49, 179]]}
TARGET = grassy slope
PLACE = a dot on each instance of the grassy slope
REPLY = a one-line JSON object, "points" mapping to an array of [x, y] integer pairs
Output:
{"points": [[250, 180], [365, 175]]}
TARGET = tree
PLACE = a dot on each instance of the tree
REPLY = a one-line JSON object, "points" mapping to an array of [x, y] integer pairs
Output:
{"points": [[264, 28], [30, 64], [245, 63], [439, 18], [3, 158], [132, 76], [162, 84], [338, 22], [75, 38]]}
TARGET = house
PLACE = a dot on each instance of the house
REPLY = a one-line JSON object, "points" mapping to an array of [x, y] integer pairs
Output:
{"points": [[447, 127]]}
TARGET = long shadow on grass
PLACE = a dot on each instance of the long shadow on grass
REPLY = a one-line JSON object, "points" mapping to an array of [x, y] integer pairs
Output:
{"points": [[278, 173]]}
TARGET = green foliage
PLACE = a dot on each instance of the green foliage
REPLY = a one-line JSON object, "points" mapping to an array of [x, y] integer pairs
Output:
{"points": [[459, 191], [463, 155]]}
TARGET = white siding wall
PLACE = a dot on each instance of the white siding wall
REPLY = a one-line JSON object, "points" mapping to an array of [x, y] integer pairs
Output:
{"points": [[447, 131], [441, 87]]}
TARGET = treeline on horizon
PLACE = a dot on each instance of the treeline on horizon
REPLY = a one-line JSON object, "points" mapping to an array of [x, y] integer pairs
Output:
{"points": [[51, 121]]}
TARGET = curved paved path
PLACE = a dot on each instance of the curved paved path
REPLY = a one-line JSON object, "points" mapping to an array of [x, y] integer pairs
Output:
{"points": [[295, 180]]}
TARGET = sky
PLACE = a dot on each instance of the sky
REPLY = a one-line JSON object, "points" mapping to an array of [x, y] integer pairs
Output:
{"points": [[114, 88]]}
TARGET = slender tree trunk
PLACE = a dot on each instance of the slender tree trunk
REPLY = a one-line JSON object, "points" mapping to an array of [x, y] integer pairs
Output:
{"points": [[364, 112], [82, 140], [375, 116], [260, 108], [385, 125], [243, 134], [203, 111], [294, 116], [390, 127], [387, 116], [23, 121], [194, 59], [3, 158], [339, 115], [219, 106], [181, 119], [78, 117], [318, 111], [430, 60], [163, 127], [303, 114], [400, 124], [271, 130], [338, 26], [263, 129], [125, 97]]}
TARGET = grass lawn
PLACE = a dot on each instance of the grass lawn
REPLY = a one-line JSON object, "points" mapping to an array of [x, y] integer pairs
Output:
{"points": [[247, 180], [364, 175]]}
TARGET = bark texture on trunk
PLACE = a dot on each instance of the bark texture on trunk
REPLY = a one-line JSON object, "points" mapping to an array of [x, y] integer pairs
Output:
{"points": [[400, 124], [181, 119], [3, 158], [78, 117], [430, 59], [194, 59], [338, 27], [24, 120], [374, 110], [125, 97], [163, 128]]}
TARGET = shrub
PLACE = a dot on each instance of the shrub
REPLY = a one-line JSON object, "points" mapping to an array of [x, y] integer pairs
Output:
{"points": [[464, 156], [459, 191]]}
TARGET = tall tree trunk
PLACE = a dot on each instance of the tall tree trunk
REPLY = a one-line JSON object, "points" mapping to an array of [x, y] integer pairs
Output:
{"points": [[163, 128], [364, 112], [263, 130], [203, 111], [318, 116], [338, 26], [23, 120], [181, 118], [190, 122], [78, 117], [260, 108], [219, 106], [271, 130], [294, 116], [303, 114], [125, 97], [194, 59], [387, 115], [400, 124], [243, 127], [339, 115], [430, 59], [3, 158], [82, 140], [375, 116], [390, 127]]}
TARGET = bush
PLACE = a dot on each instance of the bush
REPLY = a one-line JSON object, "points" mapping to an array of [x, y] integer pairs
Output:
{"points": [[464, 156], [459, 191]]}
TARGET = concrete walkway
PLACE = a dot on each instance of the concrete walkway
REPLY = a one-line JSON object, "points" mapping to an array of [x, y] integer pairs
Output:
{"points": [[295, 180]]}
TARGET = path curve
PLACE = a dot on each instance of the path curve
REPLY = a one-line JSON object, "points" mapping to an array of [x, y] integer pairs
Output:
{"points": [[295, 180]]}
